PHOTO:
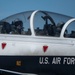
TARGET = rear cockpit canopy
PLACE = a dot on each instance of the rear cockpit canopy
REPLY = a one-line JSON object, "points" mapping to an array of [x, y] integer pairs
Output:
{"points": [[38, 23]]}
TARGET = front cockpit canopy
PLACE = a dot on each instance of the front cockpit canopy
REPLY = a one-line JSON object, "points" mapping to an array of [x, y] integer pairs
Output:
{"points": [[19, 23]]}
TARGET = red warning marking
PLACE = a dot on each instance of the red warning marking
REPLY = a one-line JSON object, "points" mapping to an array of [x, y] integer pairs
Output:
{"points": [[3, 45], [45, 48]]}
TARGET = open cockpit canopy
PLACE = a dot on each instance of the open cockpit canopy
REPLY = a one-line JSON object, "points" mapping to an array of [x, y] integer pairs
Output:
{"points": [[37, 23]]}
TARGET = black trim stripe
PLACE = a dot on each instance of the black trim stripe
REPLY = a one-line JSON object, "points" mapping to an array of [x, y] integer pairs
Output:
{"points": [[61, 65]]}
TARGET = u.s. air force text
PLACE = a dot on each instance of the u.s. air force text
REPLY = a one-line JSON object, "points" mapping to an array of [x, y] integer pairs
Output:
{"points": [[57, 60]]}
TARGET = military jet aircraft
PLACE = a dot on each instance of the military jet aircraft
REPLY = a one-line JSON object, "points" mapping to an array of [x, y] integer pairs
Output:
{"points": [[37, 42]]}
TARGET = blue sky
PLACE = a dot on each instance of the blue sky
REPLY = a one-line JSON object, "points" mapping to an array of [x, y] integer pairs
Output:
{"points": [[9, 7]]}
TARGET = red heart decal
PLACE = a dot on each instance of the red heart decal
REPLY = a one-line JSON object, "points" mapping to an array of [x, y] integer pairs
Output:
{"points": [[45, 48], [3, 45]]}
